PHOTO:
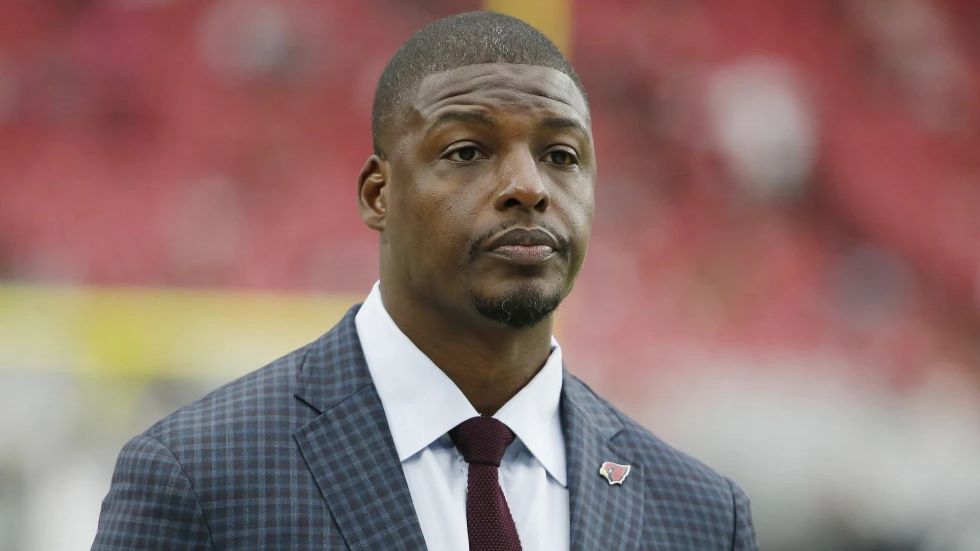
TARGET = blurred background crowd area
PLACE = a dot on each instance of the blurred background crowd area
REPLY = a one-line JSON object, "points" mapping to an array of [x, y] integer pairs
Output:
{"points": [[783, 279]]}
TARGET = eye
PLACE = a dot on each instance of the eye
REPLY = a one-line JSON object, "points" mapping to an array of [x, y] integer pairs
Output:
{"points": [[464, 154], [562, 157]]}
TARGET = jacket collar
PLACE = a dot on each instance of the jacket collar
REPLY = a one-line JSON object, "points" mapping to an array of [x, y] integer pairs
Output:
{"points": [[333, 368], [349, 449], [603, 516], [348, 446]]}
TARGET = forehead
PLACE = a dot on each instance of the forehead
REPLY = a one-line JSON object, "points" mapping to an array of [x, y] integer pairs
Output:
{"points": [[501, 85]]}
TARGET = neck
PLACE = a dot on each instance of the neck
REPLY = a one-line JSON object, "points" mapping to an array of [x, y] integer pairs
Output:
{"points": [[488, 361]]}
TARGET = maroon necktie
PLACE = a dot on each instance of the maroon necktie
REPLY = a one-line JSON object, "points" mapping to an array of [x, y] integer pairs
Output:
{"points": [[482, 441]]}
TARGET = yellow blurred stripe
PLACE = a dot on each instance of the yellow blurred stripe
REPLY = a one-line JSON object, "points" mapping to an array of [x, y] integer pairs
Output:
{"points": [[552, 17], [153, 332]]}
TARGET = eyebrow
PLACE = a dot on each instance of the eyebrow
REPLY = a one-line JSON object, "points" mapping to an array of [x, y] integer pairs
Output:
{"points": [[471, 117], [564, 123], [483, 119]]}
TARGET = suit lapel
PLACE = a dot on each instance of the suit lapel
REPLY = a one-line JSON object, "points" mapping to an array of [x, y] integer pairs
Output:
{"points": [[349, 449], [603, 516]]}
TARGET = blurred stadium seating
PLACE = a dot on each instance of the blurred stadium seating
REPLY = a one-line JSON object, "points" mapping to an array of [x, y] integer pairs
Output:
{"points": [[789, 196]]}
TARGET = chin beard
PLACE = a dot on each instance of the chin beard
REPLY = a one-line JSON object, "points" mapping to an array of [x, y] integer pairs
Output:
{"points": [[521, 308]]}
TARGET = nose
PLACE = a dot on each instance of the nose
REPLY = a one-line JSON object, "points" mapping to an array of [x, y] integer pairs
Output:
{"points": [[521, 185]]}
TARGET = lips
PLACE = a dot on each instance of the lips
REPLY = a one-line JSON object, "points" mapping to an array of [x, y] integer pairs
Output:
{"points": [[524, 246]]}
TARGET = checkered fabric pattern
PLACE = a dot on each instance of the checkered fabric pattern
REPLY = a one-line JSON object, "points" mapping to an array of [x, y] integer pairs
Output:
{"points": [[298, 455], [670, 501]]}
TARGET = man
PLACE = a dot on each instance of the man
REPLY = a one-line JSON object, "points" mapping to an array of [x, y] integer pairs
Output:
{"points": [[437, 414]]}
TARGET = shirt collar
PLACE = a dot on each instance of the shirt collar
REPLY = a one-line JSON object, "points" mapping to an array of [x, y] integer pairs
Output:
{"points": [[533, 415], [422, 404]]}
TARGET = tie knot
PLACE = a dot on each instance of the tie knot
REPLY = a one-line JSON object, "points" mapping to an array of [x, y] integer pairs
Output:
{"points": [[482, 440]]}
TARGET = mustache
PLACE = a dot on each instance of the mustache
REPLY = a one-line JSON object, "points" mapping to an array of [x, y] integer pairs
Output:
{"points": [[478, 243]]}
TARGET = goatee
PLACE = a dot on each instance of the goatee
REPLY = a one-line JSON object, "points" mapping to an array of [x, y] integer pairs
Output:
{"points": [[522, 308]]}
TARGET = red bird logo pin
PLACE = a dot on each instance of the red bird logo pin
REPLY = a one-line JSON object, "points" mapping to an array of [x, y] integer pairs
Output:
{"points": [[614, 473]]}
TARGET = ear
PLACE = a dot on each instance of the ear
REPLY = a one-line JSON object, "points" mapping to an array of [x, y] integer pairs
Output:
{"points": [[372, 192]]}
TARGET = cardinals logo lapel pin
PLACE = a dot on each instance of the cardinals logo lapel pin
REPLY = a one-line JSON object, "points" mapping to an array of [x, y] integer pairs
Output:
{"points": [[614, 473]]}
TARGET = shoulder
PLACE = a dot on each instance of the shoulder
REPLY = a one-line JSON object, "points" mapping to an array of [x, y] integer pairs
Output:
{"points": [[259, 401], [670, 470], [689, 505], [665, 458], [261, 410], [220, 467]]}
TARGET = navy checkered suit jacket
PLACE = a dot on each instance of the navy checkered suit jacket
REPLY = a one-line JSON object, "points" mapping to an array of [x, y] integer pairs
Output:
{"points": [[297, 455]]}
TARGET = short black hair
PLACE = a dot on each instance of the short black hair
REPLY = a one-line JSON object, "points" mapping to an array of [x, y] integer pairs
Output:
{"points": [[464, 39]]}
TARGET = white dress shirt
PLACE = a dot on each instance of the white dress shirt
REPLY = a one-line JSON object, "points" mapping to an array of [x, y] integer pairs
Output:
{"points": [[422, 404]]}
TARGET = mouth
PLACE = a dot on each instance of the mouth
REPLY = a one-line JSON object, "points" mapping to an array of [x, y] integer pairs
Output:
{"points": [[525, 247]]}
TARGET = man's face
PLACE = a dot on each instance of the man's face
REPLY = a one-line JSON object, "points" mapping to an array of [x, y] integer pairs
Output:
{"points": [[490, 192]]}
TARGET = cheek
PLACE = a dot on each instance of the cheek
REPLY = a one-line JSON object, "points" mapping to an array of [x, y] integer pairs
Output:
{"points": [[579, 216], [587, 207], [578, 211], [433, 228]]}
